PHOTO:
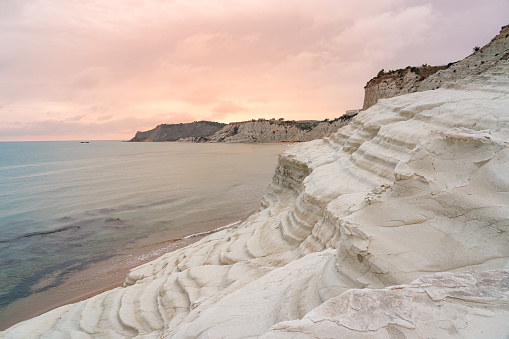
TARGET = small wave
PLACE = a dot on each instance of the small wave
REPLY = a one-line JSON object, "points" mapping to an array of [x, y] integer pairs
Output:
{"points": [[214, 230], [174, 244]]}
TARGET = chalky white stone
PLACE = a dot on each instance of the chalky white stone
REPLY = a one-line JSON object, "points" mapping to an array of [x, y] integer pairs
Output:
{"points": [[396, 226]]}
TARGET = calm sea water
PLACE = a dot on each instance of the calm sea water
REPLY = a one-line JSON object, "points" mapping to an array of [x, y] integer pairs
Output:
{"points": [[67, 206]]}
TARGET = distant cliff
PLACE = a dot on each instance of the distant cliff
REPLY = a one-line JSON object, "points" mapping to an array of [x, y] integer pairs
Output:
{"points": [[395, 226], [174, 132], [261, 130], [252, 131]]}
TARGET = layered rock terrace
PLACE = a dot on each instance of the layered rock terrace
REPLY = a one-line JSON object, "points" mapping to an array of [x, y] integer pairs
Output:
{"points": [[264, 131], [395, 226]]}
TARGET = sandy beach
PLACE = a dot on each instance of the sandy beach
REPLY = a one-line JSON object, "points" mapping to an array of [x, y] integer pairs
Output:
{"points": [[96, 279], [69, 230]]}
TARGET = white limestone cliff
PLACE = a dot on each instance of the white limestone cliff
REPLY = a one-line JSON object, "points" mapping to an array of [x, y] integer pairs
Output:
{"points": [[481, 65], [262, 130], [395, 226]]}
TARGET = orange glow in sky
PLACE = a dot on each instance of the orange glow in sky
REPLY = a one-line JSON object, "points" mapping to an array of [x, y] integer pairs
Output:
{"points": [[72, 70]]}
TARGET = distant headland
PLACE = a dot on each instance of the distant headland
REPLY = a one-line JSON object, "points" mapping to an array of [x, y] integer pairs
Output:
{"points": [[251, 131]]}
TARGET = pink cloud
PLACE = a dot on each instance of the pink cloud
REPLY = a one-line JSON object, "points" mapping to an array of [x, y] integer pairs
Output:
{"points": [[75, 129], [99, 108], [228, 107], [200, 95], [76, 117], [260, 99], [139, 60]]}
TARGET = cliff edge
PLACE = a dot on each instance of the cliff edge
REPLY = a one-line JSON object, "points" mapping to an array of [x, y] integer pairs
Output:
{"points": [[418, 79], [396, 226], [173, 132], [398, 82], [253, 131], [262, 130]]}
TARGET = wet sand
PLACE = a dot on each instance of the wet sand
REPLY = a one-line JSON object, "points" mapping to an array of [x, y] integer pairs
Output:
{"points": [[96, 279]]}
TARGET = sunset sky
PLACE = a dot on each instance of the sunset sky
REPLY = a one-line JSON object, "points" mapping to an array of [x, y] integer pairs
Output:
{"points": [[104, 69]]}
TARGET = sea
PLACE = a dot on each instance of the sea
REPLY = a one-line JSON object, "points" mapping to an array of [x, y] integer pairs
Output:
{"points": [[76, 216]]}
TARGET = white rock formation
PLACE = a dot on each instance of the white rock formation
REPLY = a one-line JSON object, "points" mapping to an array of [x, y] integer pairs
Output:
{"points": [[479, 66], [416, 185], [408, 81], [260, 131], [443, 305]]}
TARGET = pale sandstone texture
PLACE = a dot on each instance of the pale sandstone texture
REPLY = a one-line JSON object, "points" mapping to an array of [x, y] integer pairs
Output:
{"points": [[396, 226], [262, 131], [442, 305], [398, 82]]}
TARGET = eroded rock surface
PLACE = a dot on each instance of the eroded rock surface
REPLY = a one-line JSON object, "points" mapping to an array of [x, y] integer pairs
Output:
{"points": [[398, 82], [443, 305], [480, 64], [261, 131], [412, 193]]}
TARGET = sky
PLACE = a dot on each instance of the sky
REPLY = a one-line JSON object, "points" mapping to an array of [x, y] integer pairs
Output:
{"points": [[104, 69]]}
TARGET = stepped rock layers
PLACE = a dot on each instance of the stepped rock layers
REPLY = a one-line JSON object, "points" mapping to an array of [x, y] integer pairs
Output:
{"points": [[174, 132], [396, 226], [484, 65], [259, 131], [255, 131]]}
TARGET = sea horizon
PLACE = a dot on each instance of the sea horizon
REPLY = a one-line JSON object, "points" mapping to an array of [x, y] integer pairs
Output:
{"points": [[76, 217]]}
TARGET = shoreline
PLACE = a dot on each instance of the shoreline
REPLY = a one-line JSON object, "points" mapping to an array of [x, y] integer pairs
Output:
{"points": [[109, 274]]}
